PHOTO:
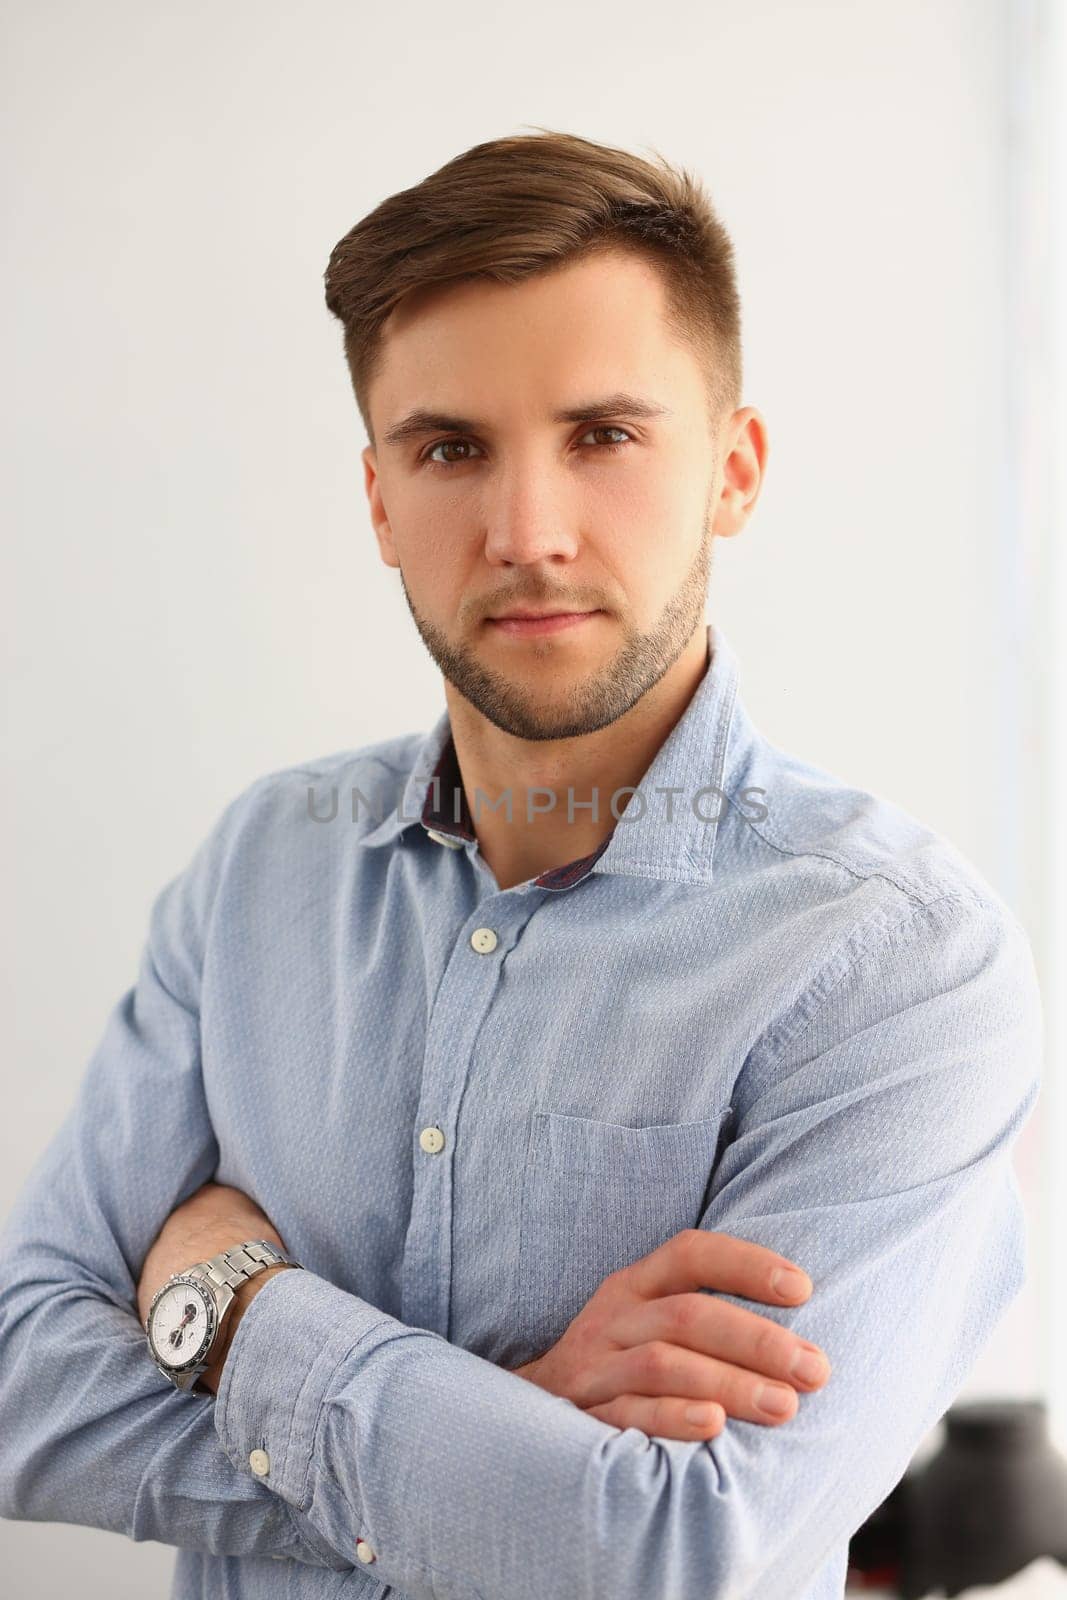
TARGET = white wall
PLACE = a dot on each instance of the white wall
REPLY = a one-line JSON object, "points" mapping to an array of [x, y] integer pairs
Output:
{"points": [[194, 595]]}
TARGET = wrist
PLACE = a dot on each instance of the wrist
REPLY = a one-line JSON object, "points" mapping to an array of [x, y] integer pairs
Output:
{"points": [[528, 1371], [243, 1296]]}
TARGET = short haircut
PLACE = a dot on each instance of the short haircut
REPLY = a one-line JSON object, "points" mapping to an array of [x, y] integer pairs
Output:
{"points": [[521, 205]]}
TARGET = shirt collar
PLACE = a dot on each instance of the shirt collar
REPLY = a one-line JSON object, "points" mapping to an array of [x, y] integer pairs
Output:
{"points": [[685, 790]]}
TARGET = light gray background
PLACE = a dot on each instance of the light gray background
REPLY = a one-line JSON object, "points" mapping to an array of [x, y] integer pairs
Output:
{"points": [[194, 595]]}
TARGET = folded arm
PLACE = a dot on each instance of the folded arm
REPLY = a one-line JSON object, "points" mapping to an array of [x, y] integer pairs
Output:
{"points": [[92, 1432], [872, 1145]]}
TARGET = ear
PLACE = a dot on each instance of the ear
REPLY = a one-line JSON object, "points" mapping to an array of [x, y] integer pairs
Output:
{"points": [[382, 531], [743, 452]]}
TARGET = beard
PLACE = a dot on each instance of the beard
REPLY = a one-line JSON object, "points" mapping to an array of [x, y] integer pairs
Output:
{"points": [[601, 698]]}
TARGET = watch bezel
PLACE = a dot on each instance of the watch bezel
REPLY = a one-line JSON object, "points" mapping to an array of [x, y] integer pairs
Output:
{"points": [[204, 1348]]}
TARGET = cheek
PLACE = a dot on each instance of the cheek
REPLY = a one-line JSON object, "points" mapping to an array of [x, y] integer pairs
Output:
{"points": [[430, 520], [438, 558], [636, 523], [642, 495]]}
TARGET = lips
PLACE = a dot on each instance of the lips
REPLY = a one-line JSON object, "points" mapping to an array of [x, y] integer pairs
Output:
{"points": [[543, 623], [536, 616]]}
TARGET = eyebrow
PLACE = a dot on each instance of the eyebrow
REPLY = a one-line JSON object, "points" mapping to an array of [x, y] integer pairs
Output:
{"points": [[420, 422]]}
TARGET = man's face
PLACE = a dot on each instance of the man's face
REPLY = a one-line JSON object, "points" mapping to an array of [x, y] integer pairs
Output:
{"points": [[518, 507]]}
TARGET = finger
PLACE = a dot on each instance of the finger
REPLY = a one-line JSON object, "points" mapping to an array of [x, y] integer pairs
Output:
{"points": [[662, 1417], [716, 1328], [696, 1259], [660, 1369]]}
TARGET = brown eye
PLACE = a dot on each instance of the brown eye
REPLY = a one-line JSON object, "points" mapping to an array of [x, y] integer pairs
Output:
{"points": [[448, 444], [609, 427]]}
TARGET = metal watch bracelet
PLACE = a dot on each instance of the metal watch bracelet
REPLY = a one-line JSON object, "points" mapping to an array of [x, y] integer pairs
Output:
{"points": [[235, 1266]]}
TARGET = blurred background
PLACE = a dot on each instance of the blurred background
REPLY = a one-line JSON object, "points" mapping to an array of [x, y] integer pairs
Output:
{"points": [[192, 594]]}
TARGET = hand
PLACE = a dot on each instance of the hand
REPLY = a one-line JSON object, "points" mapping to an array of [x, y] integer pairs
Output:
{"points": [[646, 1346], [216, 1217]]}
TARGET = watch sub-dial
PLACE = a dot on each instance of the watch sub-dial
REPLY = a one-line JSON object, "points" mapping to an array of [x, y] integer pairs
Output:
{"points": [[177, 1333]]}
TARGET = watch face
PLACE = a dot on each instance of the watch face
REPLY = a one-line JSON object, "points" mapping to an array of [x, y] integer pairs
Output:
{"points": [[181, 1324]]}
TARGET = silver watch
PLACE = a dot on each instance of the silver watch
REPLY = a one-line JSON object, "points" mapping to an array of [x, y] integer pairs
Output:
{"points": [[188, 1312]]}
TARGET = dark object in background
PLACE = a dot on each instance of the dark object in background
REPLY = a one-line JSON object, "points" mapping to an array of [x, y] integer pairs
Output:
{"points": [[989, 1501], [876, 1550]]}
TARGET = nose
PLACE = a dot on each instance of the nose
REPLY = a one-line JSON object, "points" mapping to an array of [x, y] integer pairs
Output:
{"points": [[528, 517]]}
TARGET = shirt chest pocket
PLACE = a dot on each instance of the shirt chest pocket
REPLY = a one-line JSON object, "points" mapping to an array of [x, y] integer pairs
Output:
{"points": [[596, 1196]]}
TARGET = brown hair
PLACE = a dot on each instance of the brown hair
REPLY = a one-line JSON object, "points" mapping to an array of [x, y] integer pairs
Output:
{"points": [[520, 205]]}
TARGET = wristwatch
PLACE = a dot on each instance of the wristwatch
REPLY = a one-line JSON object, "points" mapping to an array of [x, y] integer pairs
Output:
{"points": [[186, 1319]]}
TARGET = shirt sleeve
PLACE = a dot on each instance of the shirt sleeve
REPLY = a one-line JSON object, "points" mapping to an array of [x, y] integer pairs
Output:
{"points": [[91, 1431], [872, 1145]]}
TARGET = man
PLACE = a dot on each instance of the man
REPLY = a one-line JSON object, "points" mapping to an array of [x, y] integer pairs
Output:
{"points": [[540, 1041]]}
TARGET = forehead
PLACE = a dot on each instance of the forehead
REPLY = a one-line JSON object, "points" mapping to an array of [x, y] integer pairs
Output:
{"points": [[589, 326]]}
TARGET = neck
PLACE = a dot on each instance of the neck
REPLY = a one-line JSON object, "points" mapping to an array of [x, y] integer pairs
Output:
{"points": [[594, 765]]}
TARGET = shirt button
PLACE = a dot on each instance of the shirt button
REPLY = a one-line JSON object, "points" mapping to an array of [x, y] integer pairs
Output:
{"points": [[484, 940], [364, 1551], [432, 1140], [442, 838], [259, 1461]]}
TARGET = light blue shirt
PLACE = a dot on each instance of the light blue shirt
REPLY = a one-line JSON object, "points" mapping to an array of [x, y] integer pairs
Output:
{"points": [[807, 1021]]}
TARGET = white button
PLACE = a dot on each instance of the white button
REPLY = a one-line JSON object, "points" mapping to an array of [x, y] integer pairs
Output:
{"points": [[364, 1551], [259, 1461], [483, 940], [432, 1140], [442, 838]]}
